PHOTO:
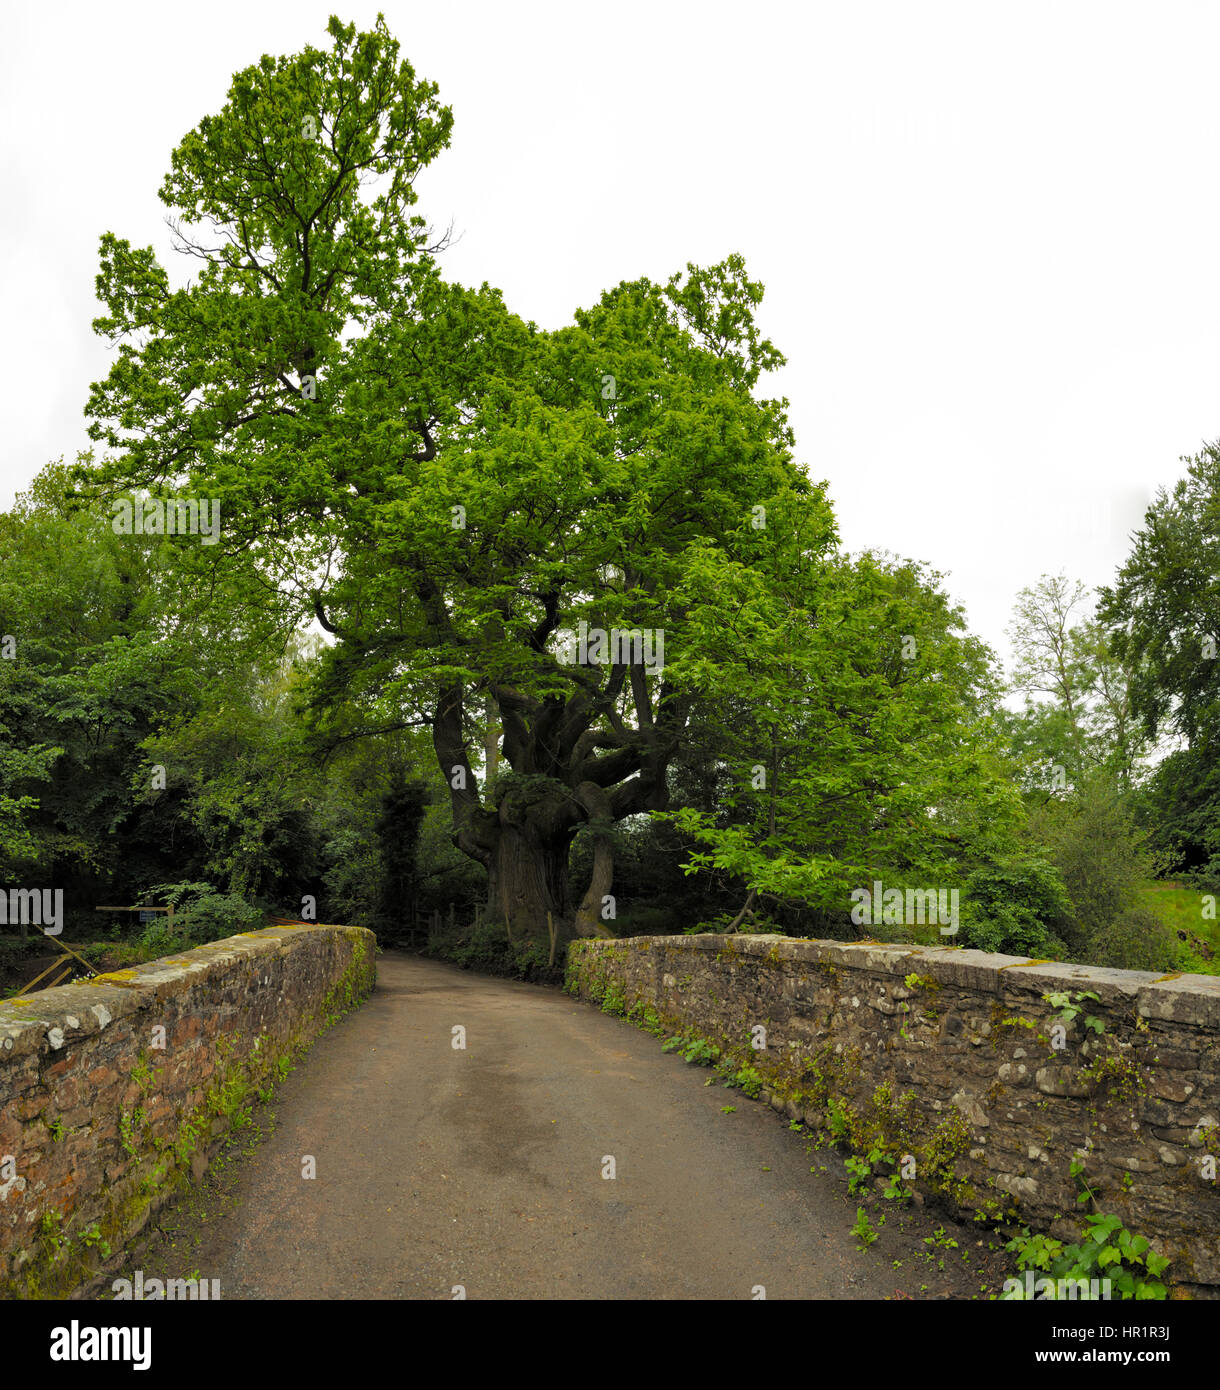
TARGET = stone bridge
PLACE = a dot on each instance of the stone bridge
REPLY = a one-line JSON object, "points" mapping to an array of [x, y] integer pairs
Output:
{"points": [[457, 1136]]}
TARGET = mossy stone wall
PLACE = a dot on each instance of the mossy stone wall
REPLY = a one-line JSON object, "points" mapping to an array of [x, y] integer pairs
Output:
{"points": [[117, 1091], [956, 1059]]}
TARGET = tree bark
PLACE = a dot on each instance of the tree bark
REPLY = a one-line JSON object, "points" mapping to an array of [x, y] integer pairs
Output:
{"points": [[589, 920], [527, 878]]}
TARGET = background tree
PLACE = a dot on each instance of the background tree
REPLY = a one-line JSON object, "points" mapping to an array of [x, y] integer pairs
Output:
{"points": [[449, 493], [93, 671], [1086, 720], [1163, 618], [865, 751], [1114, 739], [152, 746], [1048, 661], [397, 830]]}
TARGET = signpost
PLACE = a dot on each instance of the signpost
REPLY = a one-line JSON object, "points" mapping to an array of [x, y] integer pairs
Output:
{"points": [[146, 913]]}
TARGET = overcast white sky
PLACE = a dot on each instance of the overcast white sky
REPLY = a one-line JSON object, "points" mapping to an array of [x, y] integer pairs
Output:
{"points": [[988, 232]]}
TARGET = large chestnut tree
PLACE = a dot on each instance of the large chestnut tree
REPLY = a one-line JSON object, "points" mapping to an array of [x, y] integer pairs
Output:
{"points": [[449, 492]]}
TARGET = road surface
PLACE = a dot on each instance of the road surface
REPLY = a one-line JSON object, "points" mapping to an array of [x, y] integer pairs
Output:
{"points": [[481, 1168]]}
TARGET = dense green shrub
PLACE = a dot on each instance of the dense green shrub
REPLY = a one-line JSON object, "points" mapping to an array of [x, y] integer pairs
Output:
{"points": [[1102, 857], [1136, 940], [200, 914], [1017, 906], [1104, 860], [213, 916]]}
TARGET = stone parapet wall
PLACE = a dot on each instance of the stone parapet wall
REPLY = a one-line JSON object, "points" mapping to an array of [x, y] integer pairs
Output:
{"points": [[117, 1091], [956, 1059]]}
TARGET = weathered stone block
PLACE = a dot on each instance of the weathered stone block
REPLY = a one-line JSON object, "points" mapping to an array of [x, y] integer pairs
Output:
{"points": [[1061, 1081]]}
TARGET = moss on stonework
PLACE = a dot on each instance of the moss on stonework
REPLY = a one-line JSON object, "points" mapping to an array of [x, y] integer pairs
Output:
{"points": [[1117, 1074], [354, 984], [914, 981]]}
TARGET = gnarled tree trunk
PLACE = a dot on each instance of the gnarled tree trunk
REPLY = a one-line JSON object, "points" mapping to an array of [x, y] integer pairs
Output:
{"points": [[566, 773], [589, 920], [527, 877]]}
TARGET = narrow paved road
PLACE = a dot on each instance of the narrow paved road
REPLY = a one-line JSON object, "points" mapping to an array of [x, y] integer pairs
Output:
{"points": [[483, 1167]]}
